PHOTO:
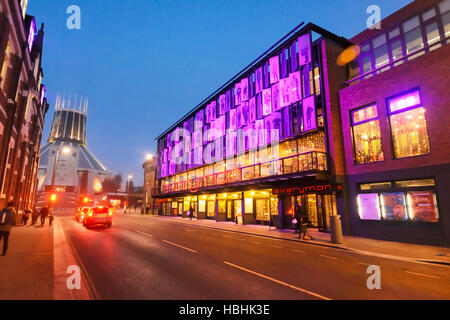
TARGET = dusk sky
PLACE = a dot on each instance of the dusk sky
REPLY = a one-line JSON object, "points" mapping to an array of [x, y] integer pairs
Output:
{"points": [[143, 63]]}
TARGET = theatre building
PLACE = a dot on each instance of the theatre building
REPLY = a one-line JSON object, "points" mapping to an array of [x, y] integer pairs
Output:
{"points": [[268, 138], [395, 116]]}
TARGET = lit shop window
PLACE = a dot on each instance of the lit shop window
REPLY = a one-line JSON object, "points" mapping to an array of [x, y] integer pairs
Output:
{"points": [[409, 200], [408, 125], [369, 206], [366, 135]]}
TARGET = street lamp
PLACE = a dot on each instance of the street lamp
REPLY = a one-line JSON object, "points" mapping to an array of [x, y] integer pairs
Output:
{"points": [[149, 156], [65, 150], [128, 189]]}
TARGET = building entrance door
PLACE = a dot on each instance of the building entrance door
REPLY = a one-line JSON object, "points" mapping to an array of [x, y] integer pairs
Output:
{"points": [[230, 213], [325, 208]]}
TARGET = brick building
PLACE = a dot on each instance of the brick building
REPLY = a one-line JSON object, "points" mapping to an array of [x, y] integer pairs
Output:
{"points": [[395, 115], [22, 103]]}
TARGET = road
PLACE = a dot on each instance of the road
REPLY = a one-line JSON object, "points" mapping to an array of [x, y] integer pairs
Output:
{"points": [[152, 258]]}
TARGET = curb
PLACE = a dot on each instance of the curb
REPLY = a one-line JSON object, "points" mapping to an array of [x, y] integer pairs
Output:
{"points": [[368, 253], [64, 256]]}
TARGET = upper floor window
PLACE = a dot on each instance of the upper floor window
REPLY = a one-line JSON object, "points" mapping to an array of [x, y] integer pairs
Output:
{"points": [[408, 125], [416, 36], [366, 135]]}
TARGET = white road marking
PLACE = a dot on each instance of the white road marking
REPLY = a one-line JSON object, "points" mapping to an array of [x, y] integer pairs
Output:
{"points": [[145, 234], [300, 251], [422, 274], [255, 242], [329, 257], [273, 246], [363, 263], [278, 281], [177, 245], [125, 227]]}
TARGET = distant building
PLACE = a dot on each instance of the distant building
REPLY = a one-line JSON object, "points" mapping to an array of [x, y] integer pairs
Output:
{"points": [[23, 104], [149, 185], [67, 167]]}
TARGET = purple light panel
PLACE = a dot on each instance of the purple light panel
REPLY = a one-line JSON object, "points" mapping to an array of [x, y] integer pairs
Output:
{"points": [[309, 114], [258, 80], [267, 102], [274, 69], [404, 101], [276, 101], [304, 49]]}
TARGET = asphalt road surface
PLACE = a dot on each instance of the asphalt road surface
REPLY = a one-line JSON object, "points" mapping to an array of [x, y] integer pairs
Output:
{"points": [[152, 258]]}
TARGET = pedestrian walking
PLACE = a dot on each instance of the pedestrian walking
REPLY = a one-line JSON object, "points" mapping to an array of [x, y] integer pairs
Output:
{"points": [[297, 217], [7, 220], [44, 213], [34, 216], [191, 212], [50, 219], [147, 210], [304, 224], [25, 217]]}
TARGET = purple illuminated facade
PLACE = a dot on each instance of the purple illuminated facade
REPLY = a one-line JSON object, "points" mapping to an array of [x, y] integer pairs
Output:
{"points": [[296, 127], [266, 128]]}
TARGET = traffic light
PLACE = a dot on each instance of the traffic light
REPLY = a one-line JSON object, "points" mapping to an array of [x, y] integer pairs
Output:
{"points": [[86, 199], [52, 197]]}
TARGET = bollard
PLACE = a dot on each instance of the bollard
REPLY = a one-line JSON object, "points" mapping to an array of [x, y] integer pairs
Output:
{"points": [[336, 229]]}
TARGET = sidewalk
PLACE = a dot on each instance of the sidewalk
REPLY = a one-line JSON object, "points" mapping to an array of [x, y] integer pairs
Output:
{"points": [[27, 269], [35, 267], [381, 248]]}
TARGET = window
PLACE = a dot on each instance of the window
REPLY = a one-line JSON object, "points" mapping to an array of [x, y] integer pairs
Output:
{"points": [[375, 185], [416, 203], [413, 36], [366, 135], [5, 62], [433, 36], [408, 125]]}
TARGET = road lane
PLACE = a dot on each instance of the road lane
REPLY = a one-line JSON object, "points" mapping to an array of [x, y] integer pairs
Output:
{"points": [[157, 270]]}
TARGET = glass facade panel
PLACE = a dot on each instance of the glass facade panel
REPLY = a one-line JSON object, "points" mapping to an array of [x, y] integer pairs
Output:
{"points": [[409, 133]]}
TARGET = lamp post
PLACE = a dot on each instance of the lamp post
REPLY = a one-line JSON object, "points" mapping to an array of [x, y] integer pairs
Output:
{"points": [[128, 190], [52, 187]]}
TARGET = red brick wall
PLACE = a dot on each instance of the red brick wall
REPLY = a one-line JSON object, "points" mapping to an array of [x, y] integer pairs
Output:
{"points": [[431, 74]]}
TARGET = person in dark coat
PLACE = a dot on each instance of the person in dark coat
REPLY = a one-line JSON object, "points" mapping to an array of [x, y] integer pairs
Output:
{"points": [[191, 213], [298, 210], [304, 224], [34, 216], [50, 219], [44, 213], [25, 217], [7, 220]]}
